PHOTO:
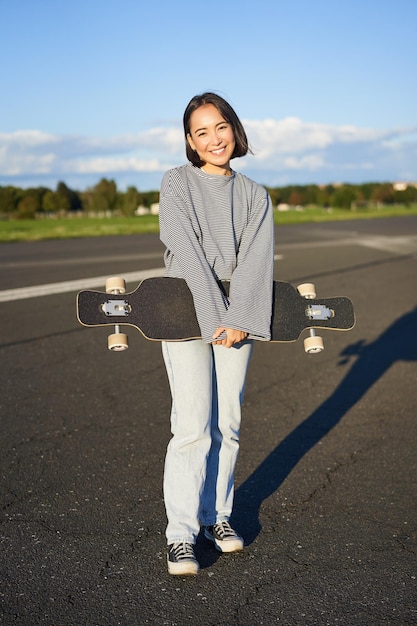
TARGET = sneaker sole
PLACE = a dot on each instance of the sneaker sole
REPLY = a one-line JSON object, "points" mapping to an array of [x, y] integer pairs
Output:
{"points": [[231, 545], [187, 568]]}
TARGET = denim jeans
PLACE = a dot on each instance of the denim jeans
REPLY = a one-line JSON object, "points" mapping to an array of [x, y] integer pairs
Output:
{"points": [[207, 385]]}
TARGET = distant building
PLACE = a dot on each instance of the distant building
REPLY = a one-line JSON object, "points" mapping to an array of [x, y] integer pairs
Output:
{"points": [[402, 185], [142, 210]]}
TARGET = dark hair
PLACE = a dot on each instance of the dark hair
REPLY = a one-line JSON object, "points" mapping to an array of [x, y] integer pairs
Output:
{"points": [[242, 145]]}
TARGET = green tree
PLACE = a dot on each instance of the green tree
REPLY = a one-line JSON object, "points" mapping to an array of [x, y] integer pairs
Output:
{"points": [[275, 194], [55, 202], [9, 199], [28, 207], [324, 197], [101, 198], [384, 194], [295, 198], [72, 197], [344, 197], [368, 190], [129, 201]]}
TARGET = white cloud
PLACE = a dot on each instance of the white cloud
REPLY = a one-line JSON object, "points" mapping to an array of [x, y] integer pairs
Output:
{"points": [[286, 149], [105, 165], [285, 136], [171, 139], [271, 138], [312, 162], [292, 135], [26, 138]]}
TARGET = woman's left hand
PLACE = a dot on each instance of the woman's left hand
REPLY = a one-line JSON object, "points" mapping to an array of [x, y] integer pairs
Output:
{"points": [[233, 336]]}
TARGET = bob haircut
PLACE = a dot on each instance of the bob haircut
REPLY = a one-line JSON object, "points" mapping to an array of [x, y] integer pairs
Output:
{"points": [[224, 108]]}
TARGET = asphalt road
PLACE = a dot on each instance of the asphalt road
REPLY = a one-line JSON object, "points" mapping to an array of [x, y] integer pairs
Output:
{"points": [[326, 477]]}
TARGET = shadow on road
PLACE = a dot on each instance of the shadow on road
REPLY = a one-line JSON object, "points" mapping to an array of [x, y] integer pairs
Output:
{"points": [[397, 343]]}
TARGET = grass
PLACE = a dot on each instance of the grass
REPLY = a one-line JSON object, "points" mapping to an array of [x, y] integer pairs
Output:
{"points": [[70, 228], [75, 227]]}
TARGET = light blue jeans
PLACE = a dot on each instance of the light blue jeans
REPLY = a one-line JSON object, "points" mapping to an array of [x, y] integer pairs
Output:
{"points": [[207, 385]]}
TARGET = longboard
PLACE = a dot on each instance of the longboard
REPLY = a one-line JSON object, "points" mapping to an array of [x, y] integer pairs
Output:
{"points": [[162, 309]]}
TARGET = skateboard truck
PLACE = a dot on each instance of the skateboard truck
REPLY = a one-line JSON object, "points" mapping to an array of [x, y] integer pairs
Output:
{"points": [[113, 308], [319, 312], [117, 341], [313, 344]]}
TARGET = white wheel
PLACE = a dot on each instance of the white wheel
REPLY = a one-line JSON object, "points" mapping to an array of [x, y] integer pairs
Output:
{"points": [[307, 290], [313, 345], [115, 284], [118, 342]]}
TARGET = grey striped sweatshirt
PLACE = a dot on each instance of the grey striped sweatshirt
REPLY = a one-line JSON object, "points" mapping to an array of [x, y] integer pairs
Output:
{"points": [[220, 228]]}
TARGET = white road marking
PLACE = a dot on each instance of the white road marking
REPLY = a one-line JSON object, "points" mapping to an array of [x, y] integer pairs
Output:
{"points": [[36, 291], [396, 245], [82, 260]]}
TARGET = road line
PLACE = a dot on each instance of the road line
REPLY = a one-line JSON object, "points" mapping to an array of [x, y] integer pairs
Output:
{"points": [[396, 245], [81, 260], [36, 291]]}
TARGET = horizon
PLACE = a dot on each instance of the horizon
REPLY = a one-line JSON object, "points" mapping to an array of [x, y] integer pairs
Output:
{"points": [[396, 184]]}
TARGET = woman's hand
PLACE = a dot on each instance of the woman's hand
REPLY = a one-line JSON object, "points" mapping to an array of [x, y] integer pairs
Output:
{"points": [[232, 336]]}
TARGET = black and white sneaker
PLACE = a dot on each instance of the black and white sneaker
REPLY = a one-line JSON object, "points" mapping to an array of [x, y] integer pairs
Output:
{"points": [[181, 559], [224, 537]]}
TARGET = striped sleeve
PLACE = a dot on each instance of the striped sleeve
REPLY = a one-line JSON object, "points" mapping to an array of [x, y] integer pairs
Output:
{"points": [[251, 285]]}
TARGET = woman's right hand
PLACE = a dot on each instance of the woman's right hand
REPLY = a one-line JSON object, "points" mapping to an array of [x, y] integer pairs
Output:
{"points": [[233, 336]]}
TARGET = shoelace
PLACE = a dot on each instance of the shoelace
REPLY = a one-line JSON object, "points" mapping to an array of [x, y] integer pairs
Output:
{"points": [[183, 550], [224, 530]]}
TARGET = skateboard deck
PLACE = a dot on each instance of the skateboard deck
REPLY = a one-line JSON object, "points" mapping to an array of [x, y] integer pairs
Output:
{"points": [[162, 309]]}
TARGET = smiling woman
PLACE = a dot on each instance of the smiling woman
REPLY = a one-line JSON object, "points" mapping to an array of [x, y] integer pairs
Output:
{"points": [[217, 225]]}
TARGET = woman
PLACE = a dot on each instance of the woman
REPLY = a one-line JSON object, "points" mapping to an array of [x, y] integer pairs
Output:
{"points": [[217, 225]]}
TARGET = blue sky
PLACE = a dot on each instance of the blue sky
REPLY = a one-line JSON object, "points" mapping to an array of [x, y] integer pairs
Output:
{"points": [[326, 89]]}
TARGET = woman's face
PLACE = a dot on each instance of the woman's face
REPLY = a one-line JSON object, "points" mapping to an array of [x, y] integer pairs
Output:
{"points": [[212, 138]]}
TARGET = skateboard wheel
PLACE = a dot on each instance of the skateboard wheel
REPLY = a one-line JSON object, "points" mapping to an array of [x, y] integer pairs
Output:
{"points": [[118, 342], [115, 284], [307, 290], [313, 345]]}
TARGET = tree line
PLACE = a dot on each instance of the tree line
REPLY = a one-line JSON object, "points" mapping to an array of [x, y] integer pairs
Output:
{"points": [[105, 199], [102, 199], [344, 196]]}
